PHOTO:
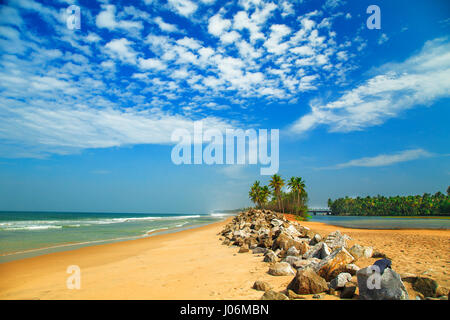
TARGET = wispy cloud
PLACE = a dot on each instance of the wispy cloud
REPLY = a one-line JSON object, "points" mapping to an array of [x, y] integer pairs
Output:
{"points": [[420, 80], [384, 159]]}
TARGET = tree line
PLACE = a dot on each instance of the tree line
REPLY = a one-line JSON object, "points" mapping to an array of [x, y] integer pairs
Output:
{"points": [[273, 197], [427, 204]]}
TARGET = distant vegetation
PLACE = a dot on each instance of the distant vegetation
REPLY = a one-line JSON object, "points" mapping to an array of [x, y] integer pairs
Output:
{"points": [[419, 205], [272, 197]]}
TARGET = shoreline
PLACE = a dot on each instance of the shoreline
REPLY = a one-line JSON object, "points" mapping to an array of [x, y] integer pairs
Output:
{"points": [[193, 264], [30, 253]]}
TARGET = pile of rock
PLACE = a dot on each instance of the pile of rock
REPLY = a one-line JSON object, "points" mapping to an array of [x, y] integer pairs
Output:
{"points": [[319, 265]]}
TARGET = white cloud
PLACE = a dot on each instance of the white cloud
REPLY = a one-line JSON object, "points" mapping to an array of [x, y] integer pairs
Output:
{"points": [[107, 19], [333, 4], [151, 63], [120, 48], [183, 7], [229, 37], [383, 38], [217, 25], [420, 80], [165, 26], [385, 159]]}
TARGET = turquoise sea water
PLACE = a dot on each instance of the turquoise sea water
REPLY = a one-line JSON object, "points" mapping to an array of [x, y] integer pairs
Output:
{"points": [[384, 222], [27, 234], [24, 234]]}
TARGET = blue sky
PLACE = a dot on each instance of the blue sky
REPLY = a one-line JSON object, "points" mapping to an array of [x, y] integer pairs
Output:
{"points": [[87, 115]]}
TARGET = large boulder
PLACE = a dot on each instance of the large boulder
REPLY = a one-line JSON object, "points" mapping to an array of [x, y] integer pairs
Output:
{"points": [[302, 264], [375, 286], [319, 251], [259, 250], [261, 286], [340, 280], [348, 291], [273, 295], [270, 256], [358, 251], [292, 260], [244, 249], [284, 241], [307, 281], [336, 240], [281, 269], [292, 251], [315, 240], [425, 286], [334, 264], [351, 268]]}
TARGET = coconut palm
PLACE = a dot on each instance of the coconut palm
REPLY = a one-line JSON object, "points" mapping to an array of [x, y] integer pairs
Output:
{"points": [[276, 183], [264, 195], [297, 185], [255, 193]]}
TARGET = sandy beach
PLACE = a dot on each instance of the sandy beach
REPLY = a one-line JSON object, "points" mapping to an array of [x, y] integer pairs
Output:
{"points": [[192, 264]]}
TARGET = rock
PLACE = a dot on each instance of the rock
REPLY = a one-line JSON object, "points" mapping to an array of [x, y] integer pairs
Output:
{"points": [[302, 264], [334, 264], [261, 286], [307, 281], [281, 269], [317, 296], [273, 295], [284, 241], [358, 251], [293, 296], [292, 251], [292, 260], [340, 280], [315, 240], [259, 250], [368, 251], [292, 231], [425, 286], [276, 222], [301, 246], [387, 286], [348, 291], [319, 251], [351, 268], [336, 240], [270, 256], [243, 249]]}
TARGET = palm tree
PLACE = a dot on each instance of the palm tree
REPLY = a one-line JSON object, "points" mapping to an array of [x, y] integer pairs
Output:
{"points": [[264, 195], [297, 185], [276, 183], [255, 193], [293, 185]]}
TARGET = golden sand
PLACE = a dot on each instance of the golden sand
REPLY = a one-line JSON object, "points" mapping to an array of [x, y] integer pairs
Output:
{"points": [[192, 264]]}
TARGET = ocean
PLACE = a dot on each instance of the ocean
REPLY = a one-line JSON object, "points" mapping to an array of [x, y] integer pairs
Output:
{"points": [[27, 234]]}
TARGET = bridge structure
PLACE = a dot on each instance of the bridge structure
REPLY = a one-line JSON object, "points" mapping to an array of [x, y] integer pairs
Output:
{"points": [[323, 211]]}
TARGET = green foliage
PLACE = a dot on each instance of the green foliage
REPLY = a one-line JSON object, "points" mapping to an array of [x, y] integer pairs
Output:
{"points": [[418, 205], [293, 202]]}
